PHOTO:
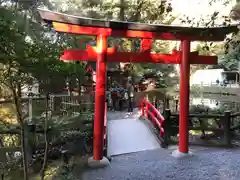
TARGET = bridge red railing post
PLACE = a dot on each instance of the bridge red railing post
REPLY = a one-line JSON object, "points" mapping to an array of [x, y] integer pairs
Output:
{"points": [[156, 118], [166, 125]]}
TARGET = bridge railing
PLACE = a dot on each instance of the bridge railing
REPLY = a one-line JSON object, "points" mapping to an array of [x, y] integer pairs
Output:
{"points": [[219, 129], [149, 112]]}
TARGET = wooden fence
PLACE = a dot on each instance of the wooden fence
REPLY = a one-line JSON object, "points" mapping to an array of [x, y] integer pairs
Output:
{"points": [[58, 104], [222, 126], [75, 141], [82, 124]]}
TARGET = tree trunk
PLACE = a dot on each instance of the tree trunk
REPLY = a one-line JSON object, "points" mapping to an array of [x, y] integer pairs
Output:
{"points": [[42, 173], [24, 154], [20, 121], [122, 10]]}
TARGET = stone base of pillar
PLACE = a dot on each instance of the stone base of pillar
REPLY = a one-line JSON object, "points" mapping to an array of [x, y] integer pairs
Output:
{"points": [[178, 154], [92, 163]]}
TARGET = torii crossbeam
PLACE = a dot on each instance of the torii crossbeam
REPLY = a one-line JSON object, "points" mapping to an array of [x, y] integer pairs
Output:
{"points": [[101, 54], [90, 54]]}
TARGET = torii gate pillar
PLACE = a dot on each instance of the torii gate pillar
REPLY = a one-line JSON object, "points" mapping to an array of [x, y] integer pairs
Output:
{"points": [[100, 97], [184, 97]]}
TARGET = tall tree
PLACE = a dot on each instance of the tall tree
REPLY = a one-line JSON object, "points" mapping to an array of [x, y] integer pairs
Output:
{"points": [[25, 56]]}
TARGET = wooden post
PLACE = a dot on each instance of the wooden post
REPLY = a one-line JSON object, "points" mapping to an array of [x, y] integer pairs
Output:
{"points": [[29, 136], [100, 96], [184, 97], [167, 114], [227, 126]]}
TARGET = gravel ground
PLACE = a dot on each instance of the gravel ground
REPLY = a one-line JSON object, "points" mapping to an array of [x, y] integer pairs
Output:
{"points": [[205, 164]]}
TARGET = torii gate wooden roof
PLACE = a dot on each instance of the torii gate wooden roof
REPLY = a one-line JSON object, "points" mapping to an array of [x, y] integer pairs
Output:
{"points": [[90, 26]]}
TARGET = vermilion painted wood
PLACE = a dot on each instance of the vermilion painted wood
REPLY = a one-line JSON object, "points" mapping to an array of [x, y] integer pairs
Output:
{"points": [[94, 49], [100, 97], [188, 33], [136, 57], [156, 121], [157, 118], [85, 30], [105, 125], [156, 112], [146, 45], [184, 97]]}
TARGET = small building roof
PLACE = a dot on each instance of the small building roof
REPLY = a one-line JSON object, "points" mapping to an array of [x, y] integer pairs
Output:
{"points": [[176, 32]]}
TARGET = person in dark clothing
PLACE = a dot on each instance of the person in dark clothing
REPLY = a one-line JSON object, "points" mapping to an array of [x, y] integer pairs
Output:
{"points": [[114, 100], [130, 104], [121, 99], [114, 95], [130, 91]]}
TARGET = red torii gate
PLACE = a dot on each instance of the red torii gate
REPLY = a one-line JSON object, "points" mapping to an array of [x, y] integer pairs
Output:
{"points": [[101, 54]]}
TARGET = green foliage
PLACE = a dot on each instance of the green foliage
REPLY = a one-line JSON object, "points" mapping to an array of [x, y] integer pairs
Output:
{"points": [[65, 174], [230, 60], [26, 53], [29, 52]]}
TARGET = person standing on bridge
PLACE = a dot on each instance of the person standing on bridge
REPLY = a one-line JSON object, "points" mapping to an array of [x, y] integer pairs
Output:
{"points": [[130, 91]]}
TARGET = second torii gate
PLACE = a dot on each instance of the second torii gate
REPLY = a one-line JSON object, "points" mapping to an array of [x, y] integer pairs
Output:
{"points": [[102, 54]]}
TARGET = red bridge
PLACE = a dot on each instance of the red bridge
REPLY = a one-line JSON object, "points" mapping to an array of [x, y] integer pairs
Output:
{"points": [[135, 132]]}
